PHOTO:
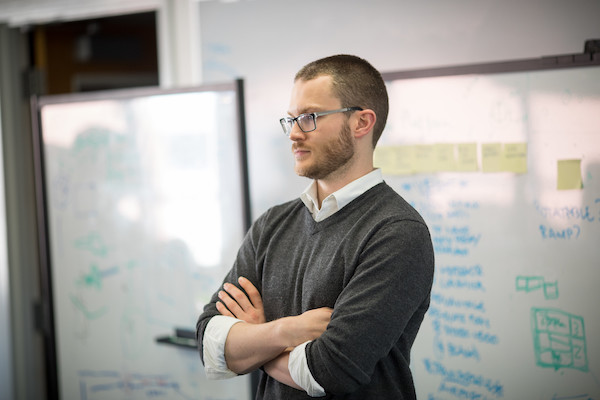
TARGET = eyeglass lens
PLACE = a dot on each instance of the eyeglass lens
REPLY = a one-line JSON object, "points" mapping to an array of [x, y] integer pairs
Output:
{"points": [[306, 122]]}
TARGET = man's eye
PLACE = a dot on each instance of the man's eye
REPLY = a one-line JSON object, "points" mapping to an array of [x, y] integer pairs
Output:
{"points": [[304, 117]]}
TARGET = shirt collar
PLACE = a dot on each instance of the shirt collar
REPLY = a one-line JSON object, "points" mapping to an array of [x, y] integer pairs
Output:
{"points": [[339, 199]]}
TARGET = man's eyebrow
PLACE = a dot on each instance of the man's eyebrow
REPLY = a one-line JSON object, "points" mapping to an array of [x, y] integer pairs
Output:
{"points": [[305, 110]]}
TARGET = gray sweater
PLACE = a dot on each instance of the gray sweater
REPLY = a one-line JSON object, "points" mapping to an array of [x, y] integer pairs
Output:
{"points": [[372, 262]]}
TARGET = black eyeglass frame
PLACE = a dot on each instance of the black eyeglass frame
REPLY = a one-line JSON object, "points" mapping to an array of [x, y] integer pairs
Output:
{"points": [[287, 123]]}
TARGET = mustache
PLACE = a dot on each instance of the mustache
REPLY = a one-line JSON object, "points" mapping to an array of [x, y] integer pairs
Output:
{"points": [[296, 146]]}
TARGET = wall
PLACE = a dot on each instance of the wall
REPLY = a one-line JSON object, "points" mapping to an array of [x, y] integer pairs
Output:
{"points": [[23, 290], [6, 375], [267, 41]]}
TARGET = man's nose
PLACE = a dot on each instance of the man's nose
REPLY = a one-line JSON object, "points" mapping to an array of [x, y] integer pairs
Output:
{"points": [[296, 134]]}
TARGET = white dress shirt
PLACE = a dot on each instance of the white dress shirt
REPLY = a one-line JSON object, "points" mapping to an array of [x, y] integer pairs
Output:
{"points": [[218, 328]]}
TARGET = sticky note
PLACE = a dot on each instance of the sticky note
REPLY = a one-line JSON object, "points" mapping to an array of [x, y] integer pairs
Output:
{"points": [[424, 160], [569, 175], [444, 159], [404, 160], [491, 157], [394, 160], [383, 158], [467, 157], [515, 157]]}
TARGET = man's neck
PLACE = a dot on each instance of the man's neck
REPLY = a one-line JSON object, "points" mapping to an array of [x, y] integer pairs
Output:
{"points": [[329, 185]]}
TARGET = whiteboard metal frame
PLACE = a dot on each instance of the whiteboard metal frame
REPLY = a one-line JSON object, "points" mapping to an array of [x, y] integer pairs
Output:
{"points": [[528, 64]]}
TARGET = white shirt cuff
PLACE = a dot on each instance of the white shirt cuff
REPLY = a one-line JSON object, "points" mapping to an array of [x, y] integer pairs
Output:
{"points": [[213, 342], [298, 367]]}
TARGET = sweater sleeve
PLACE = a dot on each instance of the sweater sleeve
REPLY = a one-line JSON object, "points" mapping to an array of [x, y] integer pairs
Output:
{"points": [[244, 265], [380, 307]]}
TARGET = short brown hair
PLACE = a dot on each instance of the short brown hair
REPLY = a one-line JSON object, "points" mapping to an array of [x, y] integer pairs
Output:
{"points": [[355, 82]]}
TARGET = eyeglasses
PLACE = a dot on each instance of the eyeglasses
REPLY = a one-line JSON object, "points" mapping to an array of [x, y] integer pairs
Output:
{"points": [[308, 122]]}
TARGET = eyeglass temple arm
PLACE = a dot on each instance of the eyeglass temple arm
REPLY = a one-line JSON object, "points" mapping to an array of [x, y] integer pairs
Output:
{"points": [[319, 114]]}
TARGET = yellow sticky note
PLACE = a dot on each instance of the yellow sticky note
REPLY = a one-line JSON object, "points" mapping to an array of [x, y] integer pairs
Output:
{"points": [[424, 158], [467, 157], [394, 160], [383, 158], [569, 175], [491, 157], [404, 160], [515, 157], [444, 157]]}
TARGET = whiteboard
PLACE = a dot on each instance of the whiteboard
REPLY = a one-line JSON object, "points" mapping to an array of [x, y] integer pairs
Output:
{"points": [[505, 169], [146, 206]]}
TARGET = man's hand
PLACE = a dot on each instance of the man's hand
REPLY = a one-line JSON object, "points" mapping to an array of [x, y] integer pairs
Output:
{"points": [[307, 326], [256, 342], [247, 308], [248, 346]]}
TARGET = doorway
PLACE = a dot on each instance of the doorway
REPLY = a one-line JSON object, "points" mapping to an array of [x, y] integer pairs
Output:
{"points": [[95, 54]]}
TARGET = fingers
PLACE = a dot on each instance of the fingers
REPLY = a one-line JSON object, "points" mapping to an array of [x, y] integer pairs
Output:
{"points": [[247, 307], [325, 315], [326, 310], [253, 293], [240, 297], [223, 310], [234, 308], [321, 314]]}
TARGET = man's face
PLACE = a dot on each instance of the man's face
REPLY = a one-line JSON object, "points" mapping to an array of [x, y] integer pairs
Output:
{"points": [[329, 148]]}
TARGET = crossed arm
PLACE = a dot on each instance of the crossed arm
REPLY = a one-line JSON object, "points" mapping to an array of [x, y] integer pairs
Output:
{"points": [[257, 342]]}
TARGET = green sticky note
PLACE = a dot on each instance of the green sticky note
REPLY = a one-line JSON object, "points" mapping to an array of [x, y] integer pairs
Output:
{"points": [[569, 175]]}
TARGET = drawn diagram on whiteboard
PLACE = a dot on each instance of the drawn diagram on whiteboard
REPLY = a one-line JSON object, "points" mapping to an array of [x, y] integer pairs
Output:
{"points": [[108, 384], [94, 243], [558, 339], [531, 283]]}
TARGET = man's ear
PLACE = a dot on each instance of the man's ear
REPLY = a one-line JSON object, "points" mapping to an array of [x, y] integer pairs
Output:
{"points": [[365, 121]]}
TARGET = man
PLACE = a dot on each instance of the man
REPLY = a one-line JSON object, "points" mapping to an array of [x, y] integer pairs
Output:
{"points": [[336, 283]]}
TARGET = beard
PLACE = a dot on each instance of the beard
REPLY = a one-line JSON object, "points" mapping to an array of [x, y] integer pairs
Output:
{"points": [[334, 157]]}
